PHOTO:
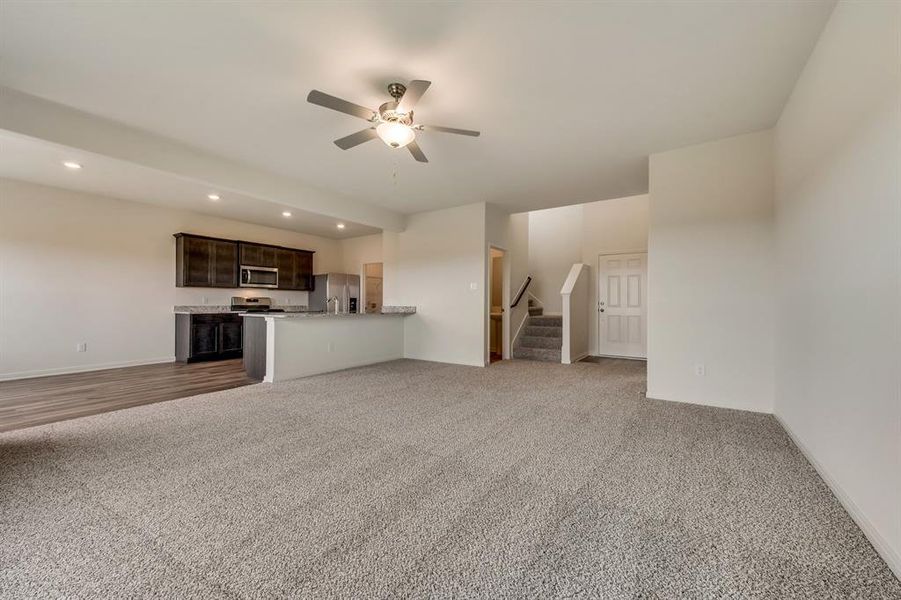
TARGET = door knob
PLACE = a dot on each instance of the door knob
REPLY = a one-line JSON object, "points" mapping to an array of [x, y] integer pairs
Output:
{"points": [[602, 310]]}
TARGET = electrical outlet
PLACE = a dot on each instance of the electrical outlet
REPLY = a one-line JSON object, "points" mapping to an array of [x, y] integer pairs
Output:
{"points": [[700, 370], [331, 346], [203, 299], [81, 347]]}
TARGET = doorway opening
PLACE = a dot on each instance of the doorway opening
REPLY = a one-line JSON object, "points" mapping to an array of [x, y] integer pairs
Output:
{"points": [[623, 305], [496, 305], [372, 287]]}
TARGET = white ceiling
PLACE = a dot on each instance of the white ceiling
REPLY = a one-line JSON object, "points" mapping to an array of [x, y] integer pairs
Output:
{"points": [[571, 97], [28, 159]]}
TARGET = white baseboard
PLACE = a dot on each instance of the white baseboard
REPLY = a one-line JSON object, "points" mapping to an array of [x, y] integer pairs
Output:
{"points": [[639, 358], [577, 358], [888, 554], [84, 368], [653, 395]]}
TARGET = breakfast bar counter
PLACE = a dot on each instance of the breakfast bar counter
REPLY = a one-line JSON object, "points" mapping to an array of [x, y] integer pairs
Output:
{"points": [[282, 346]]}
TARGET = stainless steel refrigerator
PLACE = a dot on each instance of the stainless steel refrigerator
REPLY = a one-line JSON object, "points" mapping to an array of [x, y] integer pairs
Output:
{"points": [[343, 286]]}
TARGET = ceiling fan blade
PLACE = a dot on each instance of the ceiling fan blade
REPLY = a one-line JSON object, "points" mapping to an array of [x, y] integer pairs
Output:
{"points": [[323, 99], [416, 151], [415, 90], [355, 139], [450, 130]]}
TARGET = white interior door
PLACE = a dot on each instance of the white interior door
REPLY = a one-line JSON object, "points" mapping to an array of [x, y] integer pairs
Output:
{"points": [[623, 305]]}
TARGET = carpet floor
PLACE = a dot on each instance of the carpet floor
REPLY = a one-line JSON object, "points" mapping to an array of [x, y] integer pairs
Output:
{"points": [[411, 479]]}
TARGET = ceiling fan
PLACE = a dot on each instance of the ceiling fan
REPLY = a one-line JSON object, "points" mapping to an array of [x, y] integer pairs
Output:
{"points": [[392, 122]]}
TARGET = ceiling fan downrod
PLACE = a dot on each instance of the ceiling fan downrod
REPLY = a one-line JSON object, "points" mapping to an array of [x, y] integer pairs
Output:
{"points": [[397, 90]]}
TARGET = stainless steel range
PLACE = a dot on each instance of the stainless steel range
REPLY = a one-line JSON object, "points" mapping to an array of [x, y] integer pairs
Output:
{"points": [[254, 305]]}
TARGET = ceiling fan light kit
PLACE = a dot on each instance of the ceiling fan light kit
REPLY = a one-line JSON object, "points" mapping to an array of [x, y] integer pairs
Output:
{"points": [[393, 122], [396, 135]]}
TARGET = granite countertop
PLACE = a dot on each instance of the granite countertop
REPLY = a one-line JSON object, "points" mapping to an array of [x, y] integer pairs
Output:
{"points": [[387, 311], [398, 310], [215, 309]]}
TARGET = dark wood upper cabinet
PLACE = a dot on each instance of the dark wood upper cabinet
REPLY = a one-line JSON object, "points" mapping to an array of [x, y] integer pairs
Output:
{"points": [[287, 273], [212, 262], [295, 269], [258, 255], [205, 262], [304, 266], [195, 258], [225, 255]]}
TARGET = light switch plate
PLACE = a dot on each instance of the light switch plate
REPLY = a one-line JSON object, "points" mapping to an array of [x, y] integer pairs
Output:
{"points": [[473, 286]]}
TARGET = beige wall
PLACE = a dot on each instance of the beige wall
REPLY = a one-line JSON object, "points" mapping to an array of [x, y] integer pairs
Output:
{"points": [[561, 237], [76, 267], [510, 233], [838, 232], [438, 264], [610, 227], [711, 274], [518, 264], [555, 244], [356, 252]]}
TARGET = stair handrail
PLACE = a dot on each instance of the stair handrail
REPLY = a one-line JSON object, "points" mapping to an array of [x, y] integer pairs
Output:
{"points": [[522, 290]]}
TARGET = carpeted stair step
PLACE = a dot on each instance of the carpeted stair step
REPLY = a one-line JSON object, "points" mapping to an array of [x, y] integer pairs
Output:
{"points": [[535, 331], [542, 354], [540, 341], [546, 321], [535, 311]]}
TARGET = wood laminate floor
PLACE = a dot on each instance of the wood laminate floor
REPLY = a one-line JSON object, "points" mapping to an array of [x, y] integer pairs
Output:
{"points": [[27, 402]]}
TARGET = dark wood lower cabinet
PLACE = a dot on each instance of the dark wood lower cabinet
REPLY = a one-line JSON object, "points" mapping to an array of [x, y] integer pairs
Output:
{"points": [[231, 336], [204, 340], [208, 337]]}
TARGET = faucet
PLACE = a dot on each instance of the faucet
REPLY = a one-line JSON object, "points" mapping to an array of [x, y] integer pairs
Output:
{"points": [[335, 298]]}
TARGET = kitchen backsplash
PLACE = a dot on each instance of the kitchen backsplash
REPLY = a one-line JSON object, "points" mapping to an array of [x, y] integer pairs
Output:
{"points": [[216, 296]]}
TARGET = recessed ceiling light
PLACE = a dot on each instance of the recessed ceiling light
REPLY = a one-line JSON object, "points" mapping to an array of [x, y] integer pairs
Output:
{"points": [[286, 214], [213, 197], [340, 225], [71, 164]]}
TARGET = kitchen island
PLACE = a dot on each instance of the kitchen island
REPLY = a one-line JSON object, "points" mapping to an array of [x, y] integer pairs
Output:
{"points": [[282, 346]]}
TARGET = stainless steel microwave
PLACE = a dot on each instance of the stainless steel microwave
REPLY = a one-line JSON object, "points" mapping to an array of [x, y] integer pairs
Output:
{"points": [[259, 277]]}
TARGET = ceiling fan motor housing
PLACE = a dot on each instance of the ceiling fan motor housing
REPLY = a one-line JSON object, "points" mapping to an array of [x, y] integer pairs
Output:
{"points": [[397, 90], [388, 114]]}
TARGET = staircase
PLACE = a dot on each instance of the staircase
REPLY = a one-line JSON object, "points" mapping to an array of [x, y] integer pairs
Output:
{"points": [[542, 338]]}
